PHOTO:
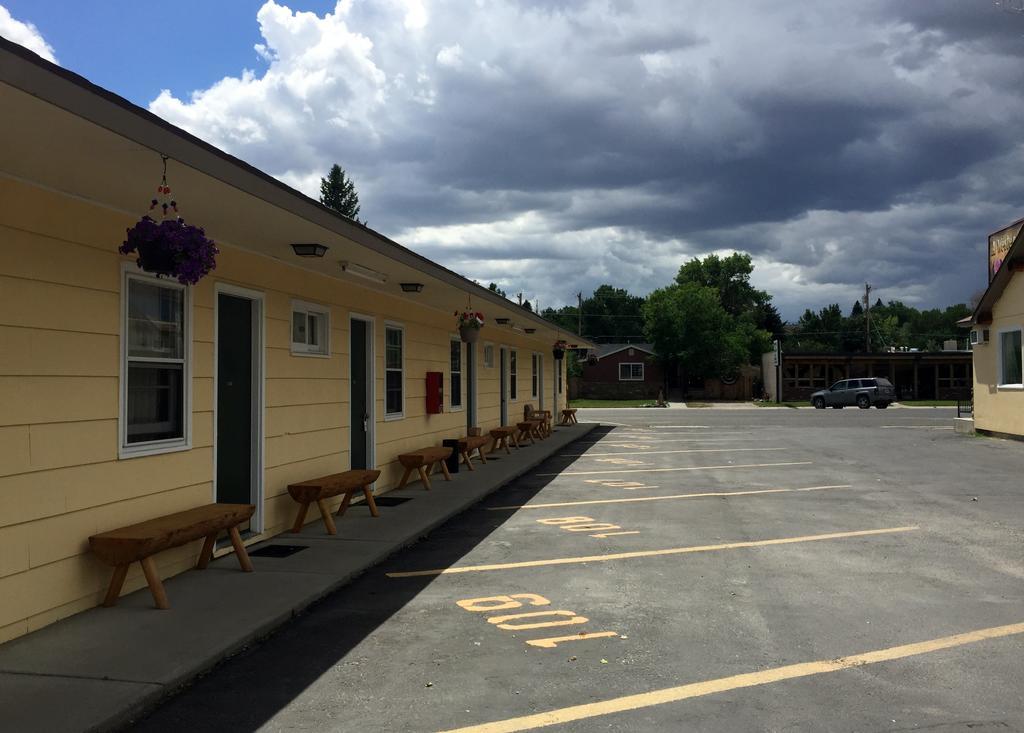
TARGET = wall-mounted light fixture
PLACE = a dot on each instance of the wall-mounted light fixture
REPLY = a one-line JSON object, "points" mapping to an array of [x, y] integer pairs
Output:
{"points": [[309, 249], [361, 271], [530, 330], [412, 287], [502, 321]]}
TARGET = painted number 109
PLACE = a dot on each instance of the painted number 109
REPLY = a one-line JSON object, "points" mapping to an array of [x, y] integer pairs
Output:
{"points": [[529, 620]]}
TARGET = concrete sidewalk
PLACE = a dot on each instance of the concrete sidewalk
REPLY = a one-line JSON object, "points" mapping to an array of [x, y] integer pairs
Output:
{"points": [[104, 667]]}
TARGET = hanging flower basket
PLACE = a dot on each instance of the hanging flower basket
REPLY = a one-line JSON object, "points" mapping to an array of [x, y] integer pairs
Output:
{"points": [[558, 350], [171, 248], [469, 323], [591, 358]]}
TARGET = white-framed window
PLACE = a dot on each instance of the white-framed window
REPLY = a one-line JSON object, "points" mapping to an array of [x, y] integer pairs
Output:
{"points": [[1010, 358], [488, 356], [156, 368], [311, 329], [394, 371], [455, 377], [534, 375], [631, 372], [513, 388]]}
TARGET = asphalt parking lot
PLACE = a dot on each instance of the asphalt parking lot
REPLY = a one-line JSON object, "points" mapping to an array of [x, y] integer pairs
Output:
{"points": [[739, 570]]}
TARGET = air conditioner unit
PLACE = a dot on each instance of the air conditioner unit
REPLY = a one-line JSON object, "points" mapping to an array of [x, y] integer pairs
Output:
{"points": [[979, 336]]}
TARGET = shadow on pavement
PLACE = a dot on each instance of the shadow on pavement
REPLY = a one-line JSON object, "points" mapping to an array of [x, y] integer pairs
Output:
{"points": [[244, 692]]}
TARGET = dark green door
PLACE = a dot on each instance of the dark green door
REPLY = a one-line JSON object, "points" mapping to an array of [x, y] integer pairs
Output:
{"points": [[503, 385], [235, 443], [359, 416]]}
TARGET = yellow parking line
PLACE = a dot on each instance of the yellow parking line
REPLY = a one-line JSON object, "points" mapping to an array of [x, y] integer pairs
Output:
{"points": [[663, 452], [663, 470], [737, 682], [662, 498], [647, 553]]}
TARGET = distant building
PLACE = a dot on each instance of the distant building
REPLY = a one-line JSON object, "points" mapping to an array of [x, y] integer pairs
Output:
{"points": [[920, 375], [620, 371]]}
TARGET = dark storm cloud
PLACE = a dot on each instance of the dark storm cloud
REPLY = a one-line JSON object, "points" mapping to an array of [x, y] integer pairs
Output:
{"points": [[573, 143]]}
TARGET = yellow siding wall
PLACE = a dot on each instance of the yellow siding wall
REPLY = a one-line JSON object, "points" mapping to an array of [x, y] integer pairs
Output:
{"points": [[999, 409], [60, 477]]}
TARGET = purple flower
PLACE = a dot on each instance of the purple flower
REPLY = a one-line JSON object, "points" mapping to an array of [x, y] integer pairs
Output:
{"points": [[172, 248]]}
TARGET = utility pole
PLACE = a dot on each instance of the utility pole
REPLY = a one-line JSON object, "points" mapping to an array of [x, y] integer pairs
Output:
{"points": [[579, 313], [867, 318], [520, 296]]}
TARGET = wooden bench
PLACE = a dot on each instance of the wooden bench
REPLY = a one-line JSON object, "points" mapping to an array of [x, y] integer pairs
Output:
{"points": [[529, 430], [568, 416], [423, 461], [501, 436], [473, 443], [545, 421], [319, 489], [121, 547]]}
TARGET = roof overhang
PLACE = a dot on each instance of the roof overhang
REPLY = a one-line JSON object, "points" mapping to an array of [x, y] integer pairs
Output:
{"points": [[76, 138]]}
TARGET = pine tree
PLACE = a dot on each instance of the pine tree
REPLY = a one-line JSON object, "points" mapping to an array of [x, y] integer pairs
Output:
{"points": [[338, 192]]}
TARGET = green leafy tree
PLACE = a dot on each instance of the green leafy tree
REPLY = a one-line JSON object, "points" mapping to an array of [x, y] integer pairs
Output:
{"points": [[338, 192], [687, 323], [610, 315], [493, 287], [730, 276]]}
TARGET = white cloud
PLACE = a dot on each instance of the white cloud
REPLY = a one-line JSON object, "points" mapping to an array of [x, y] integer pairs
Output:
{"points": [[563, 144], [25, 34]]}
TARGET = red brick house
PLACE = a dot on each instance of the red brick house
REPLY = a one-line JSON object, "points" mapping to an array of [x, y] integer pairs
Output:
{"points": [[621, 371]]}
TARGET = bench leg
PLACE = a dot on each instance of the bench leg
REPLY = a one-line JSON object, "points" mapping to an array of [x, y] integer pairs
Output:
{"points": [[326, 514], [300, 518], [504, 444], [405, 477], [116, 583], [467, 460], [243, 556], [155, 586], [207, 553], [480, 452], [444, 470], [345, 502], [515, 441], [368, 493], [423, 478]]}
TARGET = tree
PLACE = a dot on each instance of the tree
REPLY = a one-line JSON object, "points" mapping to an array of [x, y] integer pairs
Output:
{"points": [[687, 323], [338, 192], [730, 276], [610, 315], [495, 289]]}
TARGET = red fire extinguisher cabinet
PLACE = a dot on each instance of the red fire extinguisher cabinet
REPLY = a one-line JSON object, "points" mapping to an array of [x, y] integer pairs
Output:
{"points": [[435, 393]]}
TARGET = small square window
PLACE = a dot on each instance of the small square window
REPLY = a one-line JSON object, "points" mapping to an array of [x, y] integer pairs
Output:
{"points": [[631, 372], [310, 329]]}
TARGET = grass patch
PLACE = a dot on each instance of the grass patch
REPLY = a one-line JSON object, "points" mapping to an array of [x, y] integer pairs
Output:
{"points": [[928, 403], [698, 404], [611, 403]]}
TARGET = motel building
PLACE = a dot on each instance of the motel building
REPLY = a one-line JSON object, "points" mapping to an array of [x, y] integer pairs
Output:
{"points": [[996, 338], [125, 397]]}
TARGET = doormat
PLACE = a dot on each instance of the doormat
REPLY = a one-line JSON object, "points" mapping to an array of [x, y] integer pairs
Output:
{"points": [[278, 550], [391, 500]]}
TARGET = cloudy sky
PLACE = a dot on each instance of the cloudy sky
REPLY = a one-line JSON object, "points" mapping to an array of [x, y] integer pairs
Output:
{"points": [[554, 145]]}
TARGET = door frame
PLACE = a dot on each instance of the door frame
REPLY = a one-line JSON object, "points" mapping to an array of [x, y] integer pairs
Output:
{"points": [[259, 390], [503, 388], [371, 386]]}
